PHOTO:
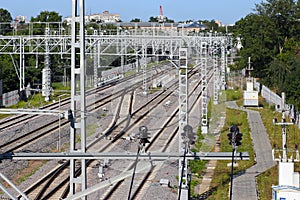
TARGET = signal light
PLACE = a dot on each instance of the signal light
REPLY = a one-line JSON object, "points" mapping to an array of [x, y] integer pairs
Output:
{"points": [[144, 135], [188, 132], [238, 138], [229, 135], [235, 136]]}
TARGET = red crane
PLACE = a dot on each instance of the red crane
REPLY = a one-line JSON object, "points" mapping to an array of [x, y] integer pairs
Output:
{"points": [[161, 11], [161, 18]]}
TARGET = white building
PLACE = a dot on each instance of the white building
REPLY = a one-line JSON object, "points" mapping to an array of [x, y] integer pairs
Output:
{"points": [[21, 19], [102, 17]]}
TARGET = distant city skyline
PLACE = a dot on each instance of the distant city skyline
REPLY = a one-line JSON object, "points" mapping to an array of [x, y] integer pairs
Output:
{"points": [[226, 11]]}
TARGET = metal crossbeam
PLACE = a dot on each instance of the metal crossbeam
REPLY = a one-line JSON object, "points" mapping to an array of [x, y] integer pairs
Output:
{"points": [[122, 155], [61, 44], [59, 113]]}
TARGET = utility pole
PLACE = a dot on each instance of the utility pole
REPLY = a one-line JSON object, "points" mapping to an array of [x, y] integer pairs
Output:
{"points": [[287, 177], [46, 85], [183, 121], [234, 138], [77, 116], [283, 124], [204, 96]]}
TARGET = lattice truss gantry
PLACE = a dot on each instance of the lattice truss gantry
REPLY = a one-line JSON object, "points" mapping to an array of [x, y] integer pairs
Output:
{"points": [[127, 44], [99, 45]]}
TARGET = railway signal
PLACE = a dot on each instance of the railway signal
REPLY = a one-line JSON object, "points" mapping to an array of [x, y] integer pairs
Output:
{"points": [[188, 135], [235, 136], [238, 138], [144, 135]]}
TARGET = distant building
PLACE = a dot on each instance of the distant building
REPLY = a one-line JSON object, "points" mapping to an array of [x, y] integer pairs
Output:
{"points": [[21, 19], [105, 17], [192, 27], [18, 22], [148, 25], [219, 23]]}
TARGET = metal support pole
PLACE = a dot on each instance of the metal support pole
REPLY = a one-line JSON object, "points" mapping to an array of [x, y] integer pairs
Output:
{"points": [[144, 68], [22, 65], [231, 175], [78, 120], [204, 109], [216, 73], [95, 66], [122, 59], [283, 129], [183, 119], [3, 188], [137, 60], [223, 65], [46, 86]]}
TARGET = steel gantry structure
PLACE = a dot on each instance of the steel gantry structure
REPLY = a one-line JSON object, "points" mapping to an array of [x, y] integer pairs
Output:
{"points": [[174, 45], [99, 45]]}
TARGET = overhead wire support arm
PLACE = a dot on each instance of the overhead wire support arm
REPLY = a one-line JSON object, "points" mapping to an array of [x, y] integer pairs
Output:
{"points": [[122, 155]]}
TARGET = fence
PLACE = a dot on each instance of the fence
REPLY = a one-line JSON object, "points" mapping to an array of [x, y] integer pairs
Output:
{"points": [[10, 98], [273, 98], [13, 97]]}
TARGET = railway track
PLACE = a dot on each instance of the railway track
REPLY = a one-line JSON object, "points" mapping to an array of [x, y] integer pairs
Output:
{"points": [[116, 137], [19, 143], [142, 179], [25, 139], [115, 132]]}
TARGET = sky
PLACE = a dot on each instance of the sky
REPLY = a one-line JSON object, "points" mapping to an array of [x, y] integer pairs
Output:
{"points": [[227, 11]]}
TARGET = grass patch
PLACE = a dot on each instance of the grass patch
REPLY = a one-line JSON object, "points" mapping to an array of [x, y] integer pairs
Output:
{"points": [[33, 101], [36, 100], [197, 167], [221, 178], [270, 177], [60, 86], [233, 95], [34, 166], [265, 181], [91, 129], [129, 73]]}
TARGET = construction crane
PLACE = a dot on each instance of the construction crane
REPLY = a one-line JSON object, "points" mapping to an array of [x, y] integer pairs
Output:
{"points": [[161, 18]]}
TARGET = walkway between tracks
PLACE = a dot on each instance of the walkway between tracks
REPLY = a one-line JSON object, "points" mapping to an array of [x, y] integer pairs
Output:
{"points": [[244, 185]]}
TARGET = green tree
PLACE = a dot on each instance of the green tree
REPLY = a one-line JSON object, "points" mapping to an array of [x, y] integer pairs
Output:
{"points": [[282, 13], [136, 20], [153, 19], [257, 42], [169, 20], [270, 36], [42, 19], [8, 73], [5, 20]]}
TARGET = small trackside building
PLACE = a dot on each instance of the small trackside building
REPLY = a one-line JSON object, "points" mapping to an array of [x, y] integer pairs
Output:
{"points": [[282, 192]]}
